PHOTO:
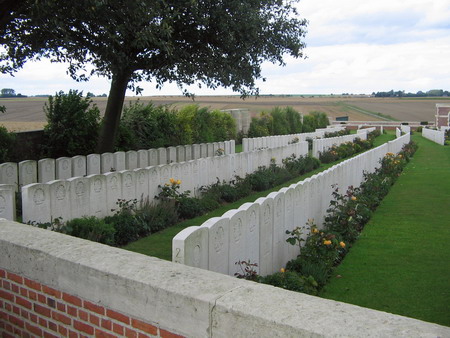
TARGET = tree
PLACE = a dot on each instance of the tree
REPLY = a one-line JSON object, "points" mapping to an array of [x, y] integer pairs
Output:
{"points": [[215, 43], [8, 92]]}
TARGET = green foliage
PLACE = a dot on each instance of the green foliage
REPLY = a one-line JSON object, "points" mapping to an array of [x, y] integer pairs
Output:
{"points": [[279, 121], [321, 119], [293, 281], [7, 145], [72, 125], [309, 124], [90, 228], [148, 126]]}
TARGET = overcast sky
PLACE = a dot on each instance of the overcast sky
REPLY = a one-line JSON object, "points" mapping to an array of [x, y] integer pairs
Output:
{"points": [[353, 46]]}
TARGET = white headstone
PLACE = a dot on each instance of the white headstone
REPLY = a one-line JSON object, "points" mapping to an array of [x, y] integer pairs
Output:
{"points": [[97, 195], [46, 170], [203, 150], [252, 232], [27, 172], [162, 156], [143, 156], [9, 174], [171, 154], [131, 160], [142, 192], [79, 196], [237, 251], [128, 185], [93, 164], [153, 181], [36, 207], [188, 152], [278, 237], [8, 201], [63, 168], [266, 227], [113, 190], [190, 247], [78, 166], [60, 200], [165, 174], [219, 232], [181, 153], [107, 163], [196, 151], [119, 161]]}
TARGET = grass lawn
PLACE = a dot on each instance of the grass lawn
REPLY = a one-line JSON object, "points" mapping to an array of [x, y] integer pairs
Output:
{"points": [[401, 262], [160, 244]]}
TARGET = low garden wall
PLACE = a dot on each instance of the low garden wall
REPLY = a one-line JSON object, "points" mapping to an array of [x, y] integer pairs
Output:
{"points": [[46, 170], [257, 231], [56, 285], [96, 195], [436, 136]]}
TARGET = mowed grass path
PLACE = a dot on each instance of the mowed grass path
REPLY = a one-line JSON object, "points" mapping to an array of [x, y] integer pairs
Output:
{"points": [[401, 262], [160, 244]]}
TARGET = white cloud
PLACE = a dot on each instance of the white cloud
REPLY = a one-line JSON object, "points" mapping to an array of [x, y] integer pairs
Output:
{"points": [[352, 46]]}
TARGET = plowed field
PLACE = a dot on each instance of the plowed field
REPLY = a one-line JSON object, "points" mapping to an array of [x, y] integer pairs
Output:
{"points": [[28, 114]]}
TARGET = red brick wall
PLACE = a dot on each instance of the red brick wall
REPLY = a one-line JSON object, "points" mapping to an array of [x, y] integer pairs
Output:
{"points": [[29, 308]]}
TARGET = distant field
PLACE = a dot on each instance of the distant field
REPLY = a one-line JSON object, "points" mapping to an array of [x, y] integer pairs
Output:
{"points": [[27, 113]]}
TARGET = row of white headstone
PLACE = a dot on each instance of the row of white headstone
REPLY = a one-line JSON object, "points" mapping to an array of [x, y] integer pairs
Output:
{"points": [[97, 195], [437, 136], [250, 144], [256, 232], [48, 169], [323, 144], [405, 129]]}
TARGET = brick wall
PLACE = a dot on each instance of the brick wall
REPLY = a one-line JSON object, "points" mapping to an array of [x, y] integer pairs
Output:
{"points": [[29, 308]]}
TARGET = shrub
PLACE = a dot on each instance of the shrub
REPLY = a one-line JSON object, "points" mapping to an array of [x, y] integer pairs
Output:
{"points": [[7, 145], [90, 228], [72, 125], [291, 280]]}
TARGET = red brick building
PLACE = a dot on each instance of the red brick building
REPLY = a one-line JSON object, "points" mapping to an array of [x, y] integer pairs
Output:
{"points": [[442, 115]]}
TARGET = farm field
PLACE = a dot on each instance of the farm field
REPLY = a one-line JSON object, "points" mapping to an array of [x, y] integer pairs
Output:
{"points": [[28, 114]]}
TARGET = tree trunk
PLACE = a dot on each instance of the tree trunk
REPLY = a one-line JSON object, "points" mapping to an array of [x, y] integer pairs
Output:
{"points": [[113, 112]]}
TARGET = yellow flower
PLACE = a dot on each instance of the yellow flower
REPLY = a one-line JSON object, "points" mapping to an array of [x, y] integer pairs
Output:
{"points": [[353, 198], [178, 182], [282, 270], [314, 230], [327, 242], [342, 244], [172, 181]]}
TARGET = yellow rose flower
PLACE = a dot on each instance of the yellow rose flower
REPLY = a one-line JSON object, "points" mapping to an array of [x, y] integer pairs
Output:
{"points": [[353, 198], [327, 242], [314, 230], [172, 181], [282, 270], [342, 244], [179, 182]]}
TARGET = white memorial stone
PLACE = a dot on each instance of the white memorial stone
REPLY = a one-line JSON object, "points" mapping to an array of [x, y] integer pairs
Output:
{"points": [[78, 166], [8, 201], [93, 164], [131, 160], [63, 168], [27, 172], [265, 235], [128, 185], [181, 153], [60, 200], [46, 170], [171, 154], [9, 174], [252, 231], [97, 195], [79, 197], [196, 151], [107, 163], [162, 156], [36, 207], [119, 160], [219, 232], [153, 181], [143, 156], [142, 185], [237, 251], [278, 237], [188, 152], [113, 190], [190, 247]]}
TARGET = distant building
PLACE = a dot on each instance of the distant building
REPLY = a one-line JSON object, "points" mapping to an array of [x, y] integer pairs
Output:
{"points": [[442, 115]]}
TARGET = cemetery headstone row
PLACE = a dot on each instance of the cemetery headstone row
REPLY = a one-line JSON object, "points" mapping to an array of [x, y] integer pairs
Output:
{"points": [[97, 194], [437, 136], [48, 169], [257, 231], [321, 145]]}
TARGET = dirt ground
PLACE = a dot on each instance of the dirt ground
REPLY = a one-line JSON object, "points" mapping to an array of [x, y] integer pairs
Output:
{"points": [[28, 113]]}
